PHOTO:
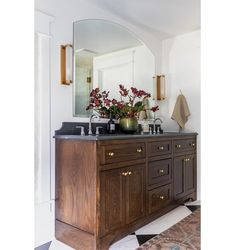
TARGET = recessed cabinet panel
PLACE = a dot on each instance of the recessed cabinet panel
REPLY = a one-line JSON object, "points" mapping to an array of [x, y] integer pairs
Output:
{"points": [[112, 200], [178, 177], [159, 198], [190, 174], [135, 193], [184, 172], [184, 145], [123, 152], [159, 172], [159, 148]]}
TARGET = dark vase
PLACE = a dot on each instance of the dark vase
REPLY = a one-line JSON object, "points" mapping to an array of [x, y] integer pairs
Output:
{"points": [[128, 125]]}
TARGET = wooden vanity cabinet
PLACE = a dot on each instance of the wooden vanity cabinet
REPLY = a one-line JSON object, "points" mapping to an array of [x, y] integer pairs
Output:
{"points": [[108, 189]]}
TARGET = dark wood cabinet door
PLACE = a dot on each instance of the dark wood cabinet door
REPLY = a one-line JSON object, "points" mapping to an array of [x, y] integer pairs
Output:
{"points": [[190, 174], [178, 173], [112, 200], [184, 175], [135, 193]]}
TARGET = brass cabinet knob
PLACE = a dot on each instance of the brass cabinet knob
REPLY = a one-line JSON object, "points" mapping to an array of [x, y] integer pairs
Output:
{"points": [[111, 153], [129, 172], [187, 159], [161, 171], [161, 148], [178, 146], [192, 144], [124, 173], [161, 197], [139, 150]]}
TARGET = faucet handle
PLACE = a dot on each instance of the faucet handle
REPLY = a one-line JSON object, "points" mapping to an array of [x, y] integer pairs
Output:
{"points": [[82, 130], [97, 130]]}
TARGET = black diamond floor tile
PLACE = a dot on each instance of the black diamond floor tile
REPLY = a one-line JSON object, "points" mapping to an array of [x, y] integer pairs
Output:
{"points": [[132, 233], [193, 207], [144, 237], [44, 246]]}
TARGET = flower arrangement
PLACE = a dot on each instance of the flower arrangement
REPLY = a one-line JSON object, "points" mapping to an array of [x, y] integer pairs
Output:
{"points": [[131, 102]]}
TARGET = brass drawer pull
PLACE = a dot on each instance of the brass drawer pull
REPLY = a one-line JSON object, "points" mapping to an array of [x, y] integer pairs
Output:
{"points": [[126, 173], [187, 159], [139, 150], [161, 148], [111, 154], [161, 197], [178, 146], [161, 171]]}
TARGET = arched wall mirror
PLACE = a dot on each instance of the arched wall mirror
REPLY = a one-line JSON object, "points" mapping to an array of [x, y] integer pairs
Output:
{"points": [[106, 55]]}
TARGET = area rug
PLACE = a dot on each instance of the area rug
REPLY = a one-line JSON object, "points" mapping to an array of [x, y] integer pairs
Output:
{"points": [[185, 235]]}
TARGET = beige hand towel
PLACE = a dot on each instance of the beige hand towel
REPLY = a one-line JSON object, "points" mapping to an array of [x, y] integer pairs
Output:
{"points": [[181, 111]]}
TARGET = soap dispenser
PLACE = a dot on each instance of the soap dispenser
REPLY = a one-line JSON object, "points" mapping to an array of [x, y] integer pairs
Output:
{"points": [[145, 127], [111, 125]]}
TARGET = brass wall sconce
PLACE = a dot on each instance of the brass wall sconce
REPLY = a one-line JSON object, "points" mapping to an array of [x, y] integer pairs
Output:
{"points": [[159, 80], [66, 64]]}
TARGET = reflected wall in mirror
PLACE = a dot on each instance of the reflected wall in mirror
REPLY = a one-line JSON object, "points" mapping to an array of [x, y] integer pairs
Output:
{"points": [[106, 55]]}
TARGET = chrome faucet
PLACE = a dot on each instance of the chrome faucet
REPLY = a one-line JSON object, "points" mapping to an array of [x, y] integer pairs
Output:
{"points": [[154, 125], [90, 121]]}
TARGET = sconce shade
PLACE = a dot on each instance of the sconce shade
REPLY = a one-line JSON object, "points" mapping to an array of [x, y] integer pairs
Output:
{"points": [[66, 52], [160, 88]]}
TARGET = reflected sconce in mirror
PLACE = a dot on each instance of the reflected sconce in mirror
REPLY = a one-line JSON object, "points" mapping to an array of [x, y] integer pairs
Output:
{"points": [[66, 64], [159, 80], [88, 79]]}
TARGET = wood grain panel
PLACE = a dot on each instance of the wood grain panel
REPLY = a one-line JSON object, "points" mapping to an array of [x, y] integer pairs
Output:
{"points": [[122, 153], [158, 198], [159, 172], [159, 148], [135, 193], [112, 200], [74, 237], [76, 182], [184, 145]]}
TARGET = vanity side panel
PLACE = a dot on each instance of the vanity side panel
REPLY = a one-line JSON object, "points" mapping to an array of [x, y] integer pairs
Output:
{"points": [[76, 183]]}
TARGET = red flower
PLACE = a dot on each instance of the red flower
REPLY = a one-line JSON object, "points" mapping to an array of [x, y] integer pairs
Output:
{"points": [[107, 102], [114, 101], [123, 91], [154, 109], [120, 105]]}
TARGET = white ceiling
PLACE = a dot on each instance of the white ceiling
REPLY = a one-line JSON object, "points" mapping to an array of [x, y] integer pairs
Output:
{"points": [[166, 18]]}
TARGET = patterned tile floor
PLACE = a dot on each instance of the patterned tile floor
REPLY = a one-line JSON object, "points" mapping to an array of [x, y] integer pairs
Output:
{"points": [[143, 234]]}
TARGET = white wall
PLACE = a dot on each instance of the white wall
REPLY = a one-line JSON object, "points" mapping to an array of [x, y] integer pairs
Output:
{"points": [[181, 64], [44, 213]]}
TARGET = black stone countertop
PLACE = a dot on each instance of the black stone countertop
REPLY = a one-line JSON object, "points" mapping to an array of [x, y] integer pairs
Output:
{"points": [[103, 137], [69, 131]]}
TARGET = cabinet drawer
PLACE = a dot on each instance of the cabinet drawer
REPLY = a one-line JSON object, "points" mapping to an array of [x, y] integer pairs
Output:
{"points": [[184, 145], [159, 171], [159, 198], [123, 152], [159, 148]]}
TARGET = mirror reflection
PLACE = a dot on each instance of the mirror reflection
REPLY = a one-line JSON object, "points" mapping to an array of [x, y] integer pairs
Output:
{"points": [[106, 55]]}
